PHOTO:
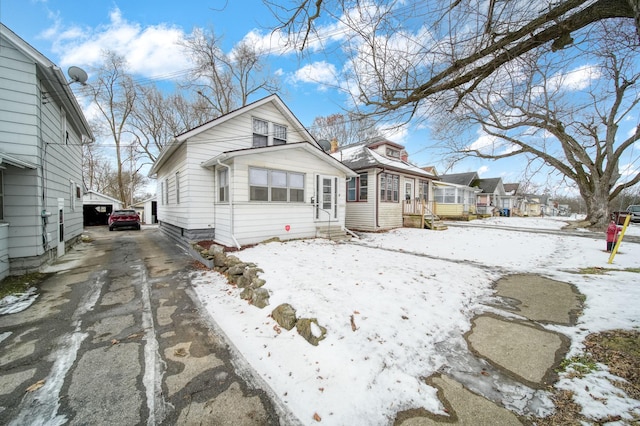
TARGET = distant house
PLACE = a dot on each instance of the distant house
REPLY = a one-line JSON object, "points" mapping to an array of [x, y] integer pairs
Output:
{"points": [[492, 197], [389, 192], [97, 207], [455, 198], [148, 210], [42, 130], [250, 175]]}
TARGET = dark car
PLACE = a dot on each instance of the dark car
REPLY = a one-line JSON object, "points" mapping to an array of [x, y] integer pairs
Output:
{"points": [[124, 219]]}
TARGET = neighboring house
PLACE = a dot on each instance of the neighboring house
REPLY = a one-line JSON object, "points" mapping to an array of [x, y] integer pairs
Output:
{"points": [[455, 197], [97, 207], [454, 201], [511, 190], [148, 210], [42, 130], [250, 175], [389, 192], [492, 197]]}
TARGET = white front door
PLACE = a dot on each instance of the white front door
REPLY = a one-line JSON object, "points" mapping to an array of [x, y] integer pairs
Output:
{"points": [[408, 190], [326, 198], [60, 226]]}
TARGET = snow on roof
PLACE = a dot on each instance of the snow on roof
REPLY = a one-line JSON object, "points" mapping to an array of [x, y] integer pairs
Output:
{"points": [[359, 156]]}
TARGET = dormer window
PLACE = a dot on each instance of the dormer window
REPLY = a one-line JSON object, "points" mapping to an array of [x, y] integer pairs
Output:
{"points": [[393, 153], [260, 132]]}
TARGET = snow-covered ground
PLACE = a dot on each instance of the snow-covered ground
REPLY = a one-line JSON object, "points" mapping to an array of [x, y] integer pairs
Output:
{"points": [[410, 293]]}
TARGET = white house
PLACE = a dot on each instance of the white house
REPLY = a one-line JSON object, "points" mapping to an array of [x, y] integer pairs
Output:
{"points": [[42, 130], [250, 175], [148, 210], [389, 192]]}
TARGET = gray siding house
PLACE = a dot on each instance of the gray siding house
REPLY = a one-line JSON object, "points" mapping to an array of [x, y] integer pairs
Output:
{"points": [[250, 175], [42, 130]]}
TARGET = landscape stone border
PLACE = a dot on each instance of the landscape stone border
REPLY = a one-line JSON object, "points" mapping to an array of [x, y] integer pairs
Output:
{"points": [[244, 275]]}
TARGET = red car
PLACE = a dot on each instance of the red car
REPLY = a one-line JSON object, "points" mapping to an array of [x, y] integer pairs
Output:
{"points": [[124, 219]]}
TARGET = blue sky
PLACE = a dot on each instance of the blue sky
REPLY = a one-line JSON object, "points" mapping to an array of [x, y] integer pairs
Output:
{"points": [[72, 32]]}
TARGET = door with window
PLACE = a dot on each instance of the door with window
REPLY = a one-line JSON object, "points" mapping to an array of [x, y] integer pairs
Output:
{"points": [[326, 205], [60, 245], [408, 190]]}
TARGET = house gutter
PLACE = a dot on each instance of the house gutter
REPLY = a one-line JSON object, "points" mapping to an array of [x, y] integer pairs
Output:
{"points": [[231, 226], [378, 197]]}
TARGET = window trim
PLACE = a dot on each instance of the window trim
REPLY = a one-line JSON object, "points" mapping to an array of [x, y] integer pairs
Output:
{"points": [[255, 133], [270, 186], [389, 188], [357, 188], [177, 187], [223, 191]]}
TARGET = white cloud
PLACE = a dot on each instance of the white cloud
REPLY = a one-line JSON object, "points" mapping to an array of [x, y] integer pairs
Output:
{"points": [[482, 170], [149, 51], [321, 73]]}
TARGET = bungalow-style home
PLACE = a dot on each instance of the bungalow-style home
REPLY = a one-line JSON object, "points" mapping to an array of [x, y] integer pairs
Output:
{"points": [[491, 199], [42, 130], [454, 201], [388, 192], [147, 210], [97, 207], [250, 175]]}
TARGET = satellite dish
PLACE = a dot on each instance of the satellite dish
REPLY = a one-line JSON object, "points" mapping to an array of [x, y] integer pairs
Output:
{"points": [[325, 145], [78, 75]]}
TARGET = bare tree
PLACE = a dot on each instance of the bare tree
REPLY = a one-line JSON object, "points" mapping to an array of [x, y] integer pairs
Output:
{"points": [[227, 80], [567, 118], [346, 128], [97, 171], [114, 95], [406, 52]]}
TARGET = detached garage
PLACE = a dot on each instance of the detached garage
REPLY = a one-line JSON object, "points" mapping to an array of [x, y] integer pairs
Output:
{"points": [[97, 208]]}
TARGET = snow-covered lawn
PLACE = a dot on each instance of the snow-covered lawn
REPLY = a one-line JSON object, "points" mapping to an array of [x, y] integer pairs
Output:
{"points": [[410, 294]]}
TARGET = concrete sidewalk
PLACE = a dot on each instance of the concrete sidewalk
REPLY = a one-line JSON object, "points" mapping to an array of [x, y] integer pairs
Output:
{"points": [[511, 345]]}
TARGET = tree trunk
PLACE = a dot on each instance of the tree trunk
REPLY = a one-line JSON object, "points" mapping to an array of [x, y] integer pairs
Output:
{"points": [[597, 204]]}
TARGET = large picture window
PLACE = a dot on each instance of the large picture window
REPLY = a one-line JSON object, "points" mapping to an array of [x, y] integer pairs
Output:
{"points": [[275, 185], [389, 187], [358, 187]]}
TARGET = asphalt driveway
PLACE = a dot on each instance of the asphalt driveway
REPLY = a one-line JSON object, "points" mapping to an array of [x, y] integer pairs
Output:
{"points": [[114, 338]]}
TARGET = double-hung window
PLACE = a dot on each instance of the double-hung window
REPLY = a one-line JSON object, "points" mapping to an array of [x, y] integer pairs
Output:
{"points": [[275, 185], [223, 185], [279, 134], [389, 187], [358, 187], [260, 132], [177, 187]]}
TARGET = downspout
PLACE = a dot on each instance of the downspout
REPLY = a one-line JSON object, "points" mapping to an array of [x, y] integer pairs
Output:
{"points": [[378, 197], [230, 203]]}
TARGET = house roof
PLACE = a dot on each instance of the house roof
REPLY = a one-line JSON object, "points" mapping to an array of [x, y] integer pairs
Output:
{"points": [[488, 186], [13, 161], [99, 195], [511, 188], [359, 157], [181, 138], [54, 77], [465, 179], [306, 146]]}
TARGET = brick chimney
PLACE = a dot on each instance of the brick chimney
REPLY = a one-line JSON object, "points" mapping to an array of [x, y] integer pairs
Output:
{"points": [[334, 145]]}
